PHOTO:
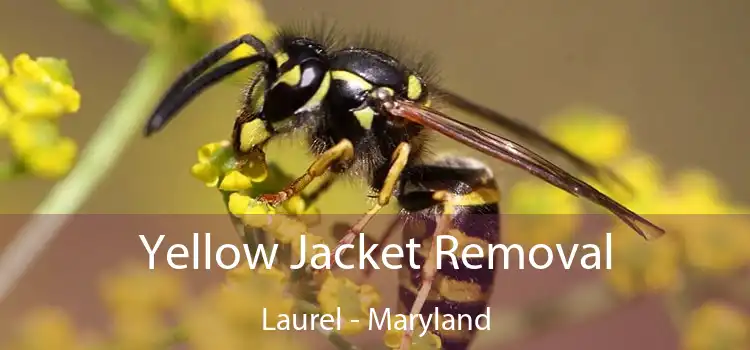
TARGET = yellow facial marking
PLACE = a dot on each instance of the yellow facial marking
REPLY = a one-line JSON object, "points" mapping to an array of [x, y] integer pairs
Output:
{"points": [[281, 58], [291, 77], [252, 134], [351, 78], [413, 88], [365, 117]]}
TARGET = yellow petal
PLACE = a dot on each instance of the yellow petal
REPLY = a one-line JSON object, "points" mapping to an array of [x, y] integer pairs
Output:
{"points": [[4, 69], [596, 136], [27, 135], [206, 173], [235, 181], [392, 338], [25, 66], [247, 17], [207, 151], [5, 117], [295, 205], [43, 69], [36, 98], [288, 229], [238, 203], [54, 161], [68, 97], [201, 11], [48, 329], [716, 325], [537, 197]]}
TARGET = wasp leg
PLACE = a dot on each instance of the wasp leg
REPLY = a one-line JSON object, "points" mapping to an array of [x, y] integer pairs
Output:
{"points": [[429, 269], [325, 185], [387, 235], [398, 163], [454, 201], [341, 152]]}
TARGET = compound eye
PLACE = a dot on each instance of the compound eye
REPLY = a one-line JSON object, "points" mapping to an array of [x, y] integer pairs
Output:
{"points": [[416, 90]]}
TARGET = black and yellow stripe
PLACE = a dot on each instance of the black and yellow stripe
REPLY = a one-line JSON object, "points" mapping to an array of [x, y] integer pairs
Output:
{"points": [[456, 290]]}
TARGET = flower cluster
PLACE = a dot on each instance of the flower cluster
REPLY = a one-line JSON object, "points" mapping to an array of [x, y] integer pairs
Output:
{"points": [[685, 204], [716, 325], [704, 236], [37, 92], [149, 310]]}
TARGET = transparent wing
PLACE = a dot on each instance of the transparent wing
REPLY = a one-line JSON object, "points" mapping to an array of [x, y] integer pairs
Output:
{"points": [[519, 156], [532, 137]]}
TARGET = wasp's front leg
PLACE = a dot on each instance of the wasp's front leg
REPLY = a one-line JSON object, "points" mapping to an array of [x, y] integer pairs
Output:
{"points": [[342, 152]]}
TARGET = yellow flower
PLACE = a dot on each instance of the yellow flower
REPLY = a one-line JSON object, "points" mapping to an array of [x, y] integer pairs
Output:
{"points": [[253, 213], [28, 135], [295, 205], [138, 298], [537, 197], [643, 173], [207, 152], [235, 181], [200, 11], [205, 172], [394, 334], [716, 325], [243, 274], [42, 87], [541, 214], [136, 288], [287, 230], [41, 148], [138, 329], [208, 168], [215, 161], [244, 17], [697, 192], [48, 329], [238, 203], [52, 161], [355, 302], [6, 117], [640, 266], [232, 316], [44, 69], [596, 136], [239, 302], [4, 69], [716, 243]]}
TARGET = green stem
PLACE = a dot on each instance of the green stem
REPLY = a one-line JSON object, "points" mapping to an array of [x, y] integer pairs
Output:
{"points": [[121, 124]]}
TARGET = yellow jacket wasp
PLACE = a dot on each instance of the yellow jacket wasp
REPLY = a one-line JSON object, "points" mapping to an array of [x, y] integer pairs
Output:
{"points": [[366, 114]]}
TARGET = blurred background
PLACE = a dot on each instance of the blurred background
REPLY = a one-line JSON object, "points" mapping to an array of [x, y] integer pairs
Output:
{"points": [[675, 71]]}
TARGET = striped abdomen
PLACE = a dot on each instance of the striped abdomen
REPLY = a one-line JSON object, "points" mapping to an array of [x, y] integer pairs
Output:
{"points": [[458, 291]]}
